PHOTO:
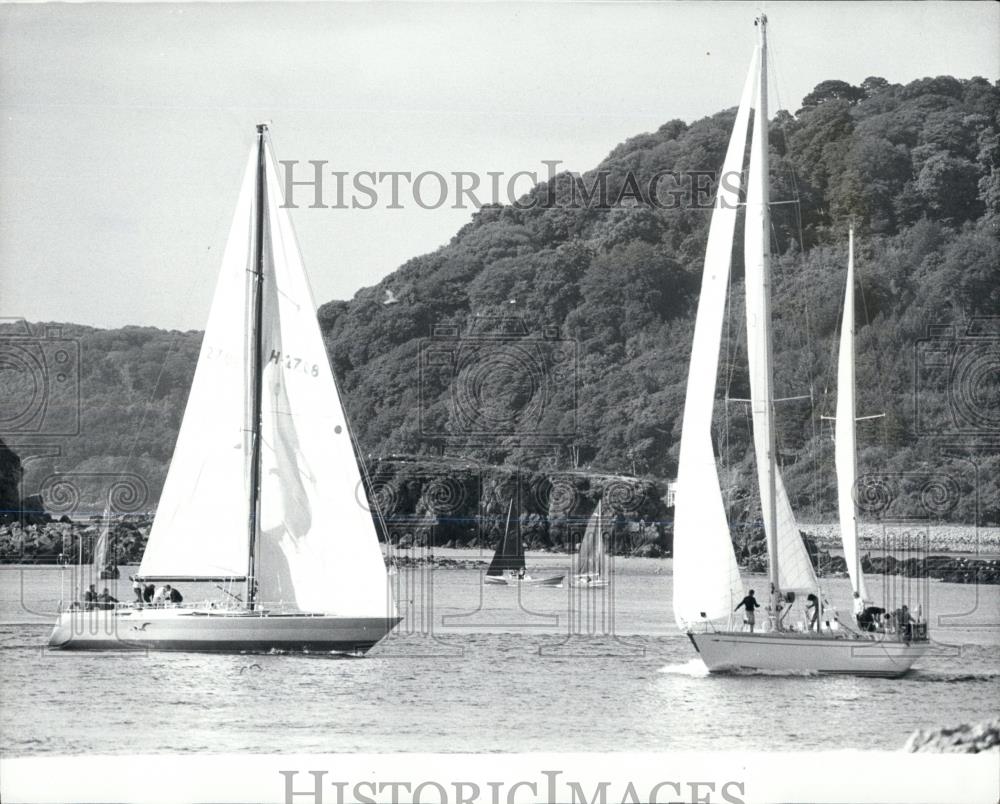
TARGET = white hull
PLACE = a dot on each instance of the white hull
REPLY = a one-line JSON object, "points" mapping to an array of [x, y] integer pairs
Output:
{"points": [[581, 582], [797, 652], [500, 580], [222, 631]]}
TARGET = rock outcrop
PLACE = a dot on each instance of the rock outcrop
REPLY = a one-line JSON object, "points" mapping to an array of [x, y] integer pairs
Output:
{"points": [[13, 508], [969, 738]]}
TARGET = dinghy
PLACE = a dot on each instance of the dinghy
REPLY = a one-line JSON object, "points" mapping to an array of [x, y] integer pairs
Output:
{"points": [[507, 566], [260, 495]]}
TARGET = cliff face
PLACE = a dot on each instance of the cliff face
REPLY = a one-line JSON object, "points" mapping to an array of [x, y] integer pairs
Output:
{"points": [[10, 483]]}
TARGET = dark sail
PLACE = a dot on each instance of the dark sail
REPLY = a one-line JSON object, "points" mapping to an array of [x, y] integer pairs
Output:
{"points": [[510, 552]]}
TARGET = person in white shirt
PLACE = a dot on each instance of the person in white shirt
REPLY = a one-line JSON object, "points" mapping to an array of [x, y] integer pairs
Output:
{"points": [[859, 606], [160, 598]]}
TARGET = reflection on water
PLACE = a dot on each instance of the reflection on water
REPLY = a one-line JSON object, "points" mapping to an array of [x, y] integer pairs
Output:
{"points": [[474, 669]]}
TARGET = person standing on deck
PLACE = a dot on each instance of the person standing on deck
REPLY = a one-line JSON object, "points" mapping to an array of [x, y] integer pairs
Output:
{"points": [[812, 612], [750, 604]]}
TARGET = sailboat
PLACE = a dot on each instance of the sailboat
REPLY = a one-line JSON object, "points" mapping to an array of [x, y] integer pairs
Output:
{"points": [[707, 583], [507, 566], [101, 567], [590, 559], [259, 496]]}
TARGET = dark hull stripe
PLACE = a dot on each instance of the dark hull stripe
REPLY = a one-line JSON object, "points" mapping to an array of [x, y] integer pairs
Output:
{"points": [[220, 646]]}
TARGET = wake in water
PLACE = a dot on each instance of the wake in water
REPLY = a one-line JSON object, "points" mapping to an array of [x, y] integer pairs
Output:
{"points": [[695, 668]]}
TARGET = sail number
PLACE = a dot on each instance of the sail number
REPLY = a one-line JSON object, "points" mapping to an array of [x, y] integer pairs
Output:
{"points": [[293, 363]]}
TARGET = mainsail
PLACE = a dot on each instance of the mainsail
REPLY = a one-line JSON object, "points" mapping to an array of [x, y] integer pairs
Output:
{"points": [[200, 528], [845, 448], [590, 560], [509, 556], [707, 580], [791, 568], [317, 549]]}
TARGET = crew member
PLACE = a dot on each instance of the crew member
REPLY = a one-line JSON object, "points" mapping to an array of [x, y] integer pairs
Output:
{"points": [[750, 604]]}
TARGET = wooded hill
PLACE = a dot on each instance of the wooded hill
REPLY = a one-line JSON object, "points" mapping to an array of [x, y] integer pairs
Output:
{"points": [[555, 333]]}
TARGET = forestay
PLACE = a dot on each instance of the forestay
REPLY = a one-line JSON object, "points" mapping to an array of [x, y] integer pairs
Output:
{"points": [[707, 580]]}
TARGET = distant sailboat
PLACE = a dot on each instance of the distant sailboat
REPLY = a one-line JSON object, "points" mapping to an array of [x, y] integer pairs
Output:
{"points": [[102, 568], [507, 566], [707, 582], [260, 491], [590, 560]]}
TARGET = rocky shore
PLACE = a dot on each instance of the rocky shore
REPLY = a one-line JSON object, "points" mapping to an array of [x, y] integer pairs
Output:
{"points": [[46, 542], [969, 738], [939, 537]]}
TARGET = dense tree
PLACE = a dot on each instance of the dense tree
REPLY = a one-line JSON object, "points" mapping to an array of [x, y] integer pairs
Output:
{"points": [[587, 264]]}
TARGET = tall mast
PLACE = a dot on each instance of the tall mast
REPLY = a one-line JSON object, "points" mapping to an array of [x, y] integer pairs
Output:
{"points": [[761, 137], [256, 366], [852, 410]]}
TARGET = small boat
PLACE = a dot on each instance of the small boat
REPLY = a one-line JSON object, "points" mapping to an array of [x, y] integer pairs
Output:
{"points": [[590, 560], [260, 494], [507, 566], [707, 583]]}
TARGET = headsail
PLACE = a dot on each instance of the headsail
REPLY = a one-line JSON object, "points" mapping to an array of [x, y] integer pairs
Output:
{"points": [[791, 568], [707, 580], [509, 556], [319, 549], [845, 449]]}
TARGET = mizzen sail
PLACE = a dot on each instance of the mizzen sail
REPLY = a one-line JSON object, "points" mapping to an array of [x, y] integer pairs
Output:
{"points": [[707, 580], [845, 447]]}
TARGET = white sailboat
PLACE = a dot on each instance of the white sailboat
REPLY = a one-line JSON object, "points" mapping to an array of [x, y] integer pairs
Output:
{"points": [[707, 583], [260, 491], [508, 566], [101, 567], [590, 559]]}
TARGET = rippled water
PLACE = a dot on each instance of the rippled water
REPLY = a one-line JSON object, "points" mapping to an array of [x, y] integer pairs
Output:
{"points": [[481, 669]]}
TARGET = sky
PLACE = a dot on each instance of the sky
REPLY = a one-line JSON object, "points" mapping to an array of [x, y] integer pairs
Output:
{"points": [[124, 129]]}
